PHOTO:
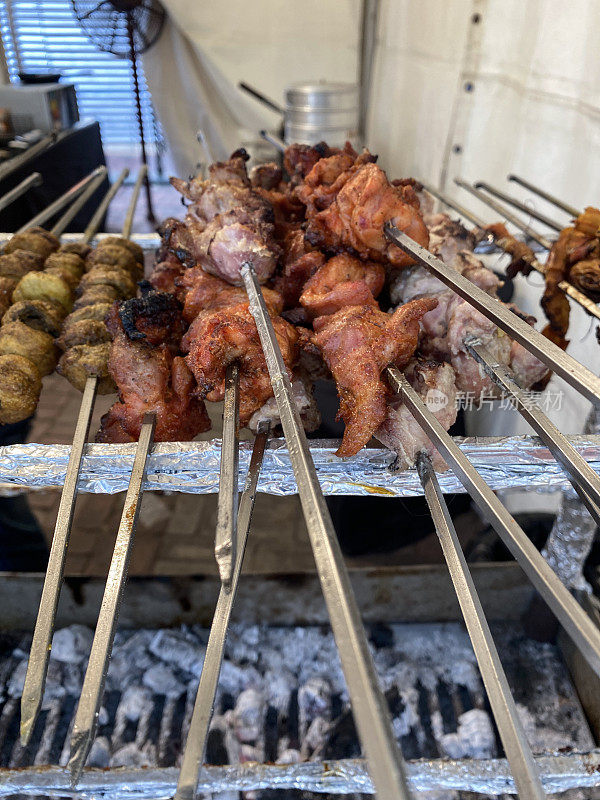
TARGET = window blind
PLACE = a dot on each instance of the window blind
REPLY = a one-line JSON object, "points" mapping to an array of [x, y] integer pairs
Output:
{"points": [[45, 36]]}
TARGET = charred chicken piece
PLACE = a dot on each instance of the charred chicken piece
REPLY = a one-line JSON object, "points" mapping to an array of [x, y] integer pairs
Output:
{"points": [[43, 286], [227, 224], [19, 263], [522, 257], [149, 377], [37, 240], [322, 184], [266, 176], [219, 337], [357, 344], [343, 281], [16, 338], [299, 159], [20, 387], [355, 219], [85, 361], [166, 273], [300, 262], [41, 315], [201, 291], [401, 433]]}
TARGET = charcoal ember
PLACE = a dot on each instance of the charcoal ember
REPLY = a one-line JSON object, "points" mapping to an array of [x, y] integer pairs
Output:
{"points": [[72, 645], [248, 715], [161, 680], [279, 685], [99, 754], [178, 649], [289, 756], [314, 700], [54, 688], [250, 753], [135, 701], [72, 678], [122, 671], [130, 755], [474, 737], [234, 678], [316, 737], [244, 648]]}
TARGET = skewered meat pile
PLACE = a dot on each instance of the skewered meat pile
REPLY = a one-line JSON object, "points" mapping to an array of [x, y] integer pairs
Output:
{"points": [[113, 269], [317, 245], [39, 280], [575, 256]]}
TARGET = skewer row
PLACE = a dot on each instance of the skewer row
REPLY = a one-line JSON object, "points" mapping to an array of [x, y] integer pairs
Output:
{"points": [[385, 761]]}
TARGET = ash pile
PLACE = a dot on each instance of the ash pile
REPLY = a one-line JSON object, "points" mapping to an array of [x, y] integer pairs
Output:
{"points": [[282, 696]]}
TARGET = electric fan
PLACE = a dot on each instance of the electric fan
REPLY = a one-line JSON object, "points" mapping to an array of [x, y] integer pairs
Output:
{"points": [[126, 28]]}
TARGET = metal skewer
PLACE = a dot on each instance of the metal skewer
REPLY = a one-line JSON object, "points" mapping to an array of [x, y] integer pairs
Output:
{"points": [[505, 213], [95, 221], [510, 727], [551, 223], [128, 222], [575, 294], [274, 140], [88, 708], [569, 613], [70, 214], [41, 645], [35, 179], [227, 509], [373, 723], [39, 655], [60, 202], [585, 481], [18, 161], [560, 362], [545, 195], [195, 746]]}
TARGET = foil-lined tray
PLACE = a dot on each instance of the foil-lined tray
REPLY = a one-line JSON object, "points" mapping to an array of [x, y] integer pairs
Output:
{"points": [[193, 467]]}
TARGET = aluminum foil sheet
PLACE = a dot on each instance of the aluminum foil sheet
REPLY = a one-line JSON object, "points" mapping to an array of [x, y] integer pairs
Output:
{"points": [[193, 467], [574, 530], [558, 773]]}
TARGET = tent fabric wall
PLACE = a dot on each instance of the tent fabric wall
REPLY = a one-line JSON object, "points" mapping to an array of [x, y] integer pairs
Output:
{"points": [[207, 48]]}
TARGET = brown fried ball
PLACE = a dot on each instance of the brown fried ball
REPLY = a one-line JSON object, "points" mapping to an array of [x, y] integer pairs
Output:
{"points": [[71, 261], [96, 294], [97, 311], [118, 241], [43, 286], [107, 275], [20, 387], [41, 315], [66, 275], [79, 248], [114, 257], [86, 331], [19, 263], [18, 339], [37, 240], [84, 361], [7, 287]]}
